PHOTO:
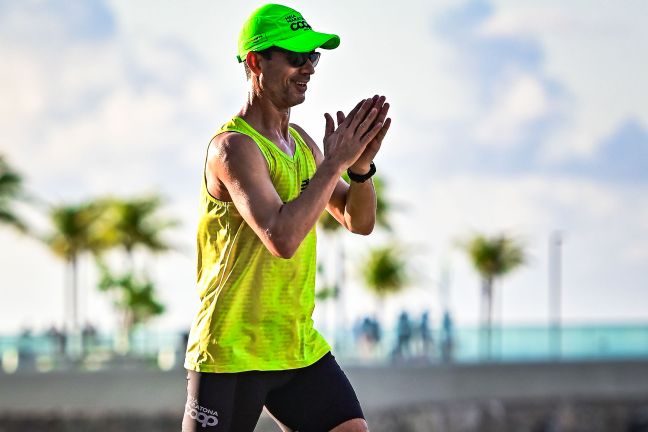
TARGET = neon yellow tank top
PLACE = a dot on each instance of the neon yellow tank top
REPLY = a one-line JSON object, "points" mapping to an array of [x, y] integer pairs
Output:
{"points": [[256, 309]]}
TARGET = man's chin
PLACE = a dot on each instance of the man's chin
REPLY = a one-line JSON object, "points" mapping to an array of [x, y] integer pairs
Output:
{"points": [[299, 99]]}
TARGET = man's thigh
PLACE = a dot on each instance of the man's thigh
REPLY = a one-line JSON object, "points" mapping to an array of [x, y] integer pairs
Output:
{"points": [[223, 402], [318, 398]]}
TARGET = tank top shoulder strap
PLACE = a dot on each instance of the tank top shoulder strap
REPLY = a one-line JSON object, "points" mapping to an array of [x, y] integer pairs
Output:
{"points": [[237, 124], [302, 148], [299, 140]]}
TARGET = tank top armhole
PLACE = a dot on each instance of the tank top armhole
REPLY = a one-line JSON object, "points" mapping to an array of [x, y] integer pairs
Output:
{"points": [[204, 179], [204, 188]]}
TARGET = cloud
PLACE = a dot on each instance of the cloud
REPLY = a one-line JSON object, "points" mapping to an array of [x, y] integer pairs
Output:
{"points": [[88, 20], [593, 50], [87, 111], [534, 114], [520, 103], [90, 102], [517, 105], [621, 157]]}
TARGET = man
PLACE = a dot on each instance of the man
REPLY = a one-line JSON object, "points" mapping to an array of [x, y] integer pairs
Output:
{"points": [[266, 183]]}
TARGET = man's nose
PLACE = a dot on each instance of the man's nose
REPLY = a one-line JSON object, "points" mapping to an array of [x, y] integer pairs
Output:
{"points": [[308, 67]]}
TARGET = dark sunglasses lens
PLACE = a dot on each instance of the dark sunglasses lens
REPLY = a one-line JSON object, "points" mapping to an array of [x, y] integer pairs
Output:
{"points": [[296, 59], [314, 57]]}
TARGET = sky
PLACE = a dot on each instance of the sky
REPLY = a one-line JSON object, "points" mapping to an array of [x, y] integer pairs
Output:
{"points": [[509, 116]]}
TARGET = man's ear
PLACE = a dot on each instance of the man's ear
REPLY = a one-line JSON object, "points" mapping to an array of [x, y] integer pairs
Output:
{"points": [[252, 60]]}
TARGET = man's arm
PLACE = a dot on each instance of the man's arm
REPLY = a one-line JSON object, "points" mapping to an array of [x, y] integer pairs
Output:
{"points": [[235, 162], [354, 205]]}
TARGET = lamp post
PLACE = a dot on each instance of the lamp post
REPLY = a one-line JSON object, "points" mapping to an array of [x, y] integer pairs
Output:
{"points": [[555, 293]]}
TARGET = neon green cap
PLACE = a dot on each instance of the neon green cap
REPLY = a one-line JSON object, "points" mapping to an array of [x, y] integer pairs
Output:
{"points": [[283, 27]]}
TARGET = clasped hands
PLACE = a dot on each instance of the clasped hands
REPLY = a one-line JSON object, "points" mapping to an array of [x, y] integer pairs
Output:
{"points": [[358, 136]]}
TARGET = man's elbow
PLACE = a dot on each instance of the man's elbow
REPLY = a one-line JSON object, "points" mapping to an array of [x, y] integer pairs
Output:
{"points": [[282, 249], [285, 253], [364, 230]]}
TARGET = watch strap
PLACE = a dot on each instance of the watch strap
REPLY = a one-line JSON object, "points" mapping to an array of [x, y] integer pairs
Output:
{"points": [[361, 178]]}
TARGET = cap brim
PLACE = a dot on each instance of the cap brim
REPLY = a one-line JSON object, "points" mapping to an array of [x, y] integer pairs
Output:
{"points": [[309, 41]]}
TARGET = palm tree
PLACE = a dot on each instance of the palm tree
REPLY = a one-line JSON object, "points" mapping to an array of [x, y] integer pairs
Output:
{"points": [[75, 232], [132, 223], [129, 224], [11, 189], [385, 273], [134, 297], [492, 257]]}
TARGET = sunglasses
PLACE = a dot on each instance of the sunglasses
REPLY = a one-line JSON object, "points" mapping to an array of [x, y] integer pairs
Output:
{"points": [[297, 59]]}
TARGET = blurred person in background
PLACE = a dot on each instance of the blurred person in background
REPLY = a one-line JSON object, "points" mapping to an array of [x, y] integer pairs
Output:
{"points": [[266, 183], [425, 334], [403, 337], [447, 338]]}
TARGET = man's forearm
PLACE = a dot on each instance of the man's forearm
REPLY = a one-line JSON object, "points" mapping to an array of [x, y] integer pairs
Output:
{"points": [[296, 218], [360, 208]]}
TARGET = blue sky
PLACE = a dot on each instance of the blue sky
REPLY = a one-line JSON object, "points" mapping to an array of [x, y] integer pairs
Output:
{"points": [[518, 116]]}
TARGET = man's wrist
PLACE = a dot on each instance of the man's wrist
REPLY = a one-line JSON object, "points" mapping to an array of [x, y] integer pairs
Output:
{"points": [[361, 178], [332, 166], [360, 169]]}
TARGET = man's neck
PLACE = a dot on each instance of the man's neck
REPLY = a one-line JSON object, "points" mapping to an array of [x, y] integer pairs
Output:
{"points": [[265, 116]]}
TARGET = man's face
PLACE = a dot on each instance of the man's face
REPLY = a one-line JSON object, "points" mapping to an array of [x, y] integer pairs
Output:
{"points": [[284, 83]]}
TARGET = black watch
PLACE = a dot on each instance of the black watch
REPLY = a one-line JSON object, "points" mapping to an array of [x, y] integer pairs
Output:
{"points": [[361, 178]]}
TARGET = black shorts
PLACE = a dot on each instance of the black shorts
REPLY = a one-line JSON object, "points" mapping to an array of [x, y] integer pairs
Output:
{"points": [[315, 398]]}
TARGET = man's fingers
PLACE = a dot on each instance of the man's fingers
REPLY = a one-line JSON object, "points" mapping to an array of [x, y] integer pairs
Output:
{"points": [[329, 126], [378, 103], [383, 130], [360, 118], [371, 134], [359, 115], [352, 113], [340, 118], [383, 113], [377, 132], [368, 121], [376, 142]]}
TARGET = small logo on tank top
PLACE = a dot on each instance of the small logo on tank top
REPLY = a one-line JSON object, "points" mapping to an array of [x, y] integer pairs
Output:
{"points": [[304, 184]]}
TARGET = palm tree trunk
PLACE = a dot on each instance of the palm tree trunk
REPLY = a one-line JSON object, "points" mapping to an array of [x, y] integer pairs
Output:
{"points": [[125, 326], [489, 316], [482, 320], [122, 338], [67, 296], [75, 296], [70, 307]]}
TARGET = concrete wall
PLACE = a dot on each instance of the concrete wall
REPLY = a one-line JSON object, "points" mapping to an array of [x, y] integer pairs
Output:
{"points": [[494, 415], [515, 397]]}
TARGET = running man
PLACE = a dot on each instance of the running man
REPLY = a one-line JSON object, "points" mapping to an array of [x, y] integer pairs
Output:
{"points": [[266, 183]]}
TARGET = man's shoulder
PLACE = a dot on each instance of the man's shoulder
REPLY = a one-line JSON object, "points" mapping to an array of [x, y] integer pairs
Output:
{"points": [[232, 146], [230, 141], [230, 138], [299, 130]]}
